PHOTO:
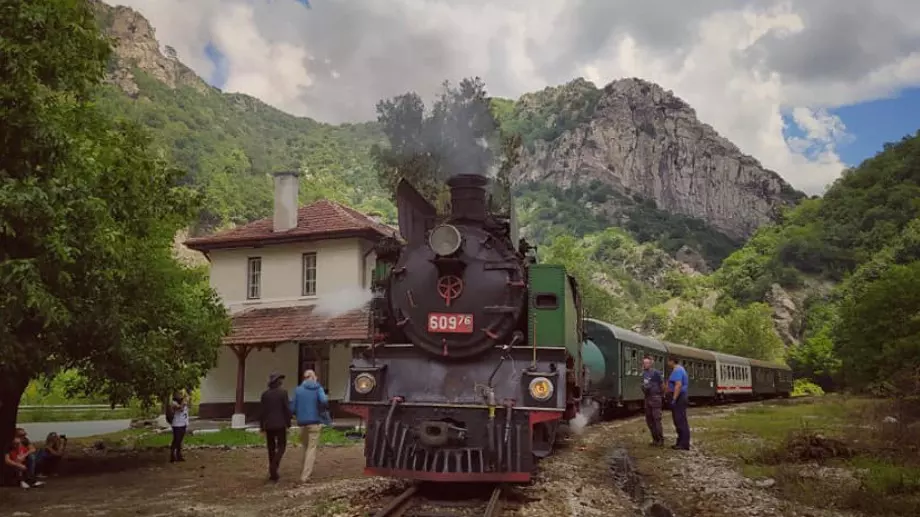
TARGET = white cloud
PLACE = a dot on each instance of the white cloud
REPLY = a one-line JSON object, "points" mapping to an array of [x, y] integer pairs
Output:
{"points": [[741, 64]]}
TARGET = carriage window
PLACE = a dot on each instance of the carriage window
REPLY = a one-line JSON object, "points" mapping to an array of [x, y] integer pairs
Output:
{"points": [[546, 301]]}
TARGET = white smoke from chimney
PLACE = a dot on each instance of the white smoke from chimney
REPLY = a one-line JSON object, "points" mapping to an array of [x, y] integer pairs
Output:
{"points": [[287, 184]]}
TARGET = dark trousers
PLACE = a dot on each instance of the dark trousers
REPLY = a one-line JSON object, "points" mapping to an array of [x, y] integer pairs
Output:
{"points": [[48, 464], [277, 442], [679, 414], [12, 475], [653, 417], [175, 448]]}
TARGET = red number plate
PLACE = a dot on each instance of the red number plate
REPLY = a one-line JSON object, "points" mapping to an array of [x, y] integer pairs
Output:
{"points": [[450, 323]]}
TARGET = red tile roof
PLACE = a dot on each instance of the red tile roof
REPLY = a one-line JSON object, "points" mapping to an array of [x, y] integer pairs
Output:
{"points": [[275, 325], [322, 219]]}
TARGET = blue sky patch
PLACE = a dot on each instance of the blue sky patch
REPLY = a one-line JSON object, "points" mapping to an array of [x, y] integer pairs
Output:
{"points": [[875, 123], [219, 76], [869, 126]]}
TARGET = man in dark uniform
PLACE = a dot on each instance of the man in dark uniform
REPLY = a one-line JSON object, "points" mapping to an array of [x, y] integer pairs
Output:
{"points": [[653, 388], [276, 418]]}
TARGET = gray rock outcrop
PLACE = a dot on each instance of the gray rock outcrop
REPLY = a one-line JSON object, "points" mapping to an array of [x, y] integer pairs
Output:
{"points": [[646, 143], [136, 46]]}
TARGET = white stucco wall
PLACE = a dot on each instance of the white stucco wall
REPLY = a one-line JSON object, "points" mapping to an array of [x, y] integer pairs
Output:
{"points": [[340, 267]]}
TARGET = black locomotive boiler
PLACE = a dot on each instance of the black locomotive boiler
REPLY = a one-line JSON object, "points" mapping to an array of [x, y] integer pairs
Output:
{"points": [[476, 356]]}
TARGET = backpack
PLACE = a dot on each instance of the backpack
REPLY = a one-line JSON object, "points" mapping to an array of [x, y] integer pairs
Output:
{"points": [[170, 412]]}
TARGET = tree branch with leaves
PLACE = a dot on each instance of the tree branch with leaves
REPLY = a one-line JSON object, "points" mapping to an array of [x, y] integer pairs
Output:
{"points": [[87, 218]]}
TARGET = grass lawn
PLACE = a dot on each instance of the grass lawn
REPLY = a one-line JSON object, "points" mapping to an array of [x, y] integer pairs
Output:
{"points": [[26, 416], [831, 452], [140, 438]]}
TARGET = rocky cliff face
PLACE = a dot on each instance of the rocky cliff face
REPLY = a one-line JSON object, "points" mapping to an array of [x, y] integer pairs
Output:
{"points": [[649, 145], [136, 46]]}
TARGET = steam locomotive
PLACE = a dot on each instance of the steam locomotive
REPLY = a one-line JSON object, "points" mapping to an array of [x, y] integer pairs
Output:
{"points": [[480, 354], [476, 356]]}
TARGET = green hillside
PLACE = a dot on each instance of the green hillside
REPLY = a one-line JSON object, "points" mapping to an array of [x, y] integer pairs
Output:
{"points": [[863, 239], [229, 144]]}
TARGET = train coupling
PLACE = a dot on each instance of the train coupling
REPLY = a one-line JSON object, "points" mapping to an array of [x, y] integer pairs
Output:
{"points": [[438, 433]]}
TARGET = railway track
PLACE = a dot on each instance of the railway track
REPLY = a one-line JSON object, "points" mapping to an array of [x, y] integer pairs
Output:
{"points": [[416, 501]]}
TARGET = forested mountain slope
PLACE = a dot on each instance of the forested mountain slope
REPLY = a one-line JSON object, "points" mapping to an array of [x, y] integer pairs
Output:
{"points": [[846, 269], [229, 143]]}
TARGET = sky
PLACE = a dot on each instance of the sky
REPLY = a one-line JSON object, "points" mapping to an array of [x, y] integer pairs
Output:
{"points": [[808, 87]]}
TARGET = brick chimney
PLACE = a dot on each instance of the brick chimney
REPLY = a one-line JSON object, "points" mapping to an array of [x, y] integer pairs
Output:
{"points": [[286, 190]]}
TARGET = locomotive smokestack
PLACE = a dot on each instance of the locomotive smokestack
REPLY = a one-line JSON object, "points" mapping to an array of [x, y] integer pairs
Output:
{"points": [[468, 197]]}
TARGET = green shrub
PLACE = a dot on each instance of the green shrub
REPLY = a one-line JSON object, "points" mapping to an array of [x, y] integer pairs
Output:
{"points": [[803, 387]]}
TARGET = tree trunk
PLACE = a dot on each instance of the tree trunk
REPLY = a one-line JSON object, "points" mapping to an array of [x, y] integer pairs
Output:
{"points": [[11, 390]]}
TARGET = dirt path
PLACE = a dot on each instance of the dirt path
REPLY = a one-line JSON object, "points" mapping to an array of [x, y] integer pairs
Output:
{"points": [[607, 471], [210, 482]]}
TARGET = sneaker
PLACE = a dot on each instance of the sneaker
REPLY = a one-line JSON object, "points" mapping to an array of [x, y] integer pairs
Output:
{"points": [[38, 483], [23, 484]]}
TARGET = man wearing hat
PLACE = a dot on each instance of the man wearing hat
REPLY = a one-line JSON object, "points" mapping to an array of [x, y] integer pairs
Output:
{"points": [[276, 417]]}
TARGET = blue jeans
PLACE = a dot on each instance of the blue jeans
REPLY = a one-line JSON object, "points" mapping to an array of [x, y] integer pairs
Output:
{"points": [[679, 414], [31, 462]]}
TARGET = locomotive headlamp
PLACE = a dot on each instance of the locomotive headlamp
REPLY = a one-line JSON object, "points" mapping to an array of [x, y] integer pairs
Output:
{"points": [[541, 389], [364, 383], [444, 240]]}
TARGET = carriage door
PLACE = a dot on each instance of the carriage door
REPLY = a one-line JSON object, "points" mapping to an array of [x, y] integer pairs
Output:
{"points": [[314, 357]]}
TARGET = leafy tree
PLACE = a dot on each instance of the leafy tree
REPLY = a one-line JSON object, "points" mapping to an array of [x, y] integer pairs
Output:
{"points": [[590, 206], [694, 326], [87, 217], [749, 332], [458, 136], [815, 358], [878, 335]]}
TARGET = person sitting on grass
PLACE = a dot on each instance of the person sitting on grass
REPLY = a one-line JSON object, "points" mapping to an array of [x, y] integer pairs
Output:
{"points": [[31, 454], [15, 461], [50, 456]]}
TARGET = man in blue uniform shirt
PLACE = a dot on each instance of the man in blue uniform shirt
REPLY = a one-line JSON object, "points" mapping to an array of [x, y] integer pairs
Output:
{"points": [[678, 383], [653, 388]]}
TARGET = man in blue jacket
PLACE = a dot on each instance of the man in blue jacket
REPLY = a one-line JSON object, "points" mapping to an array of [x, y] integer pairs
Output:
{"points": [[678, 384], [308, 408]]}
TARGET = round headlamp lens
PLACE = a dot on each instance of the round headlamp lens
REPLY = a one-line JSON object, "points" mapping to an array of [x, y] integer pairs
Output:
{"points": [[364, 383], [444, 240], [541, 389]]}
